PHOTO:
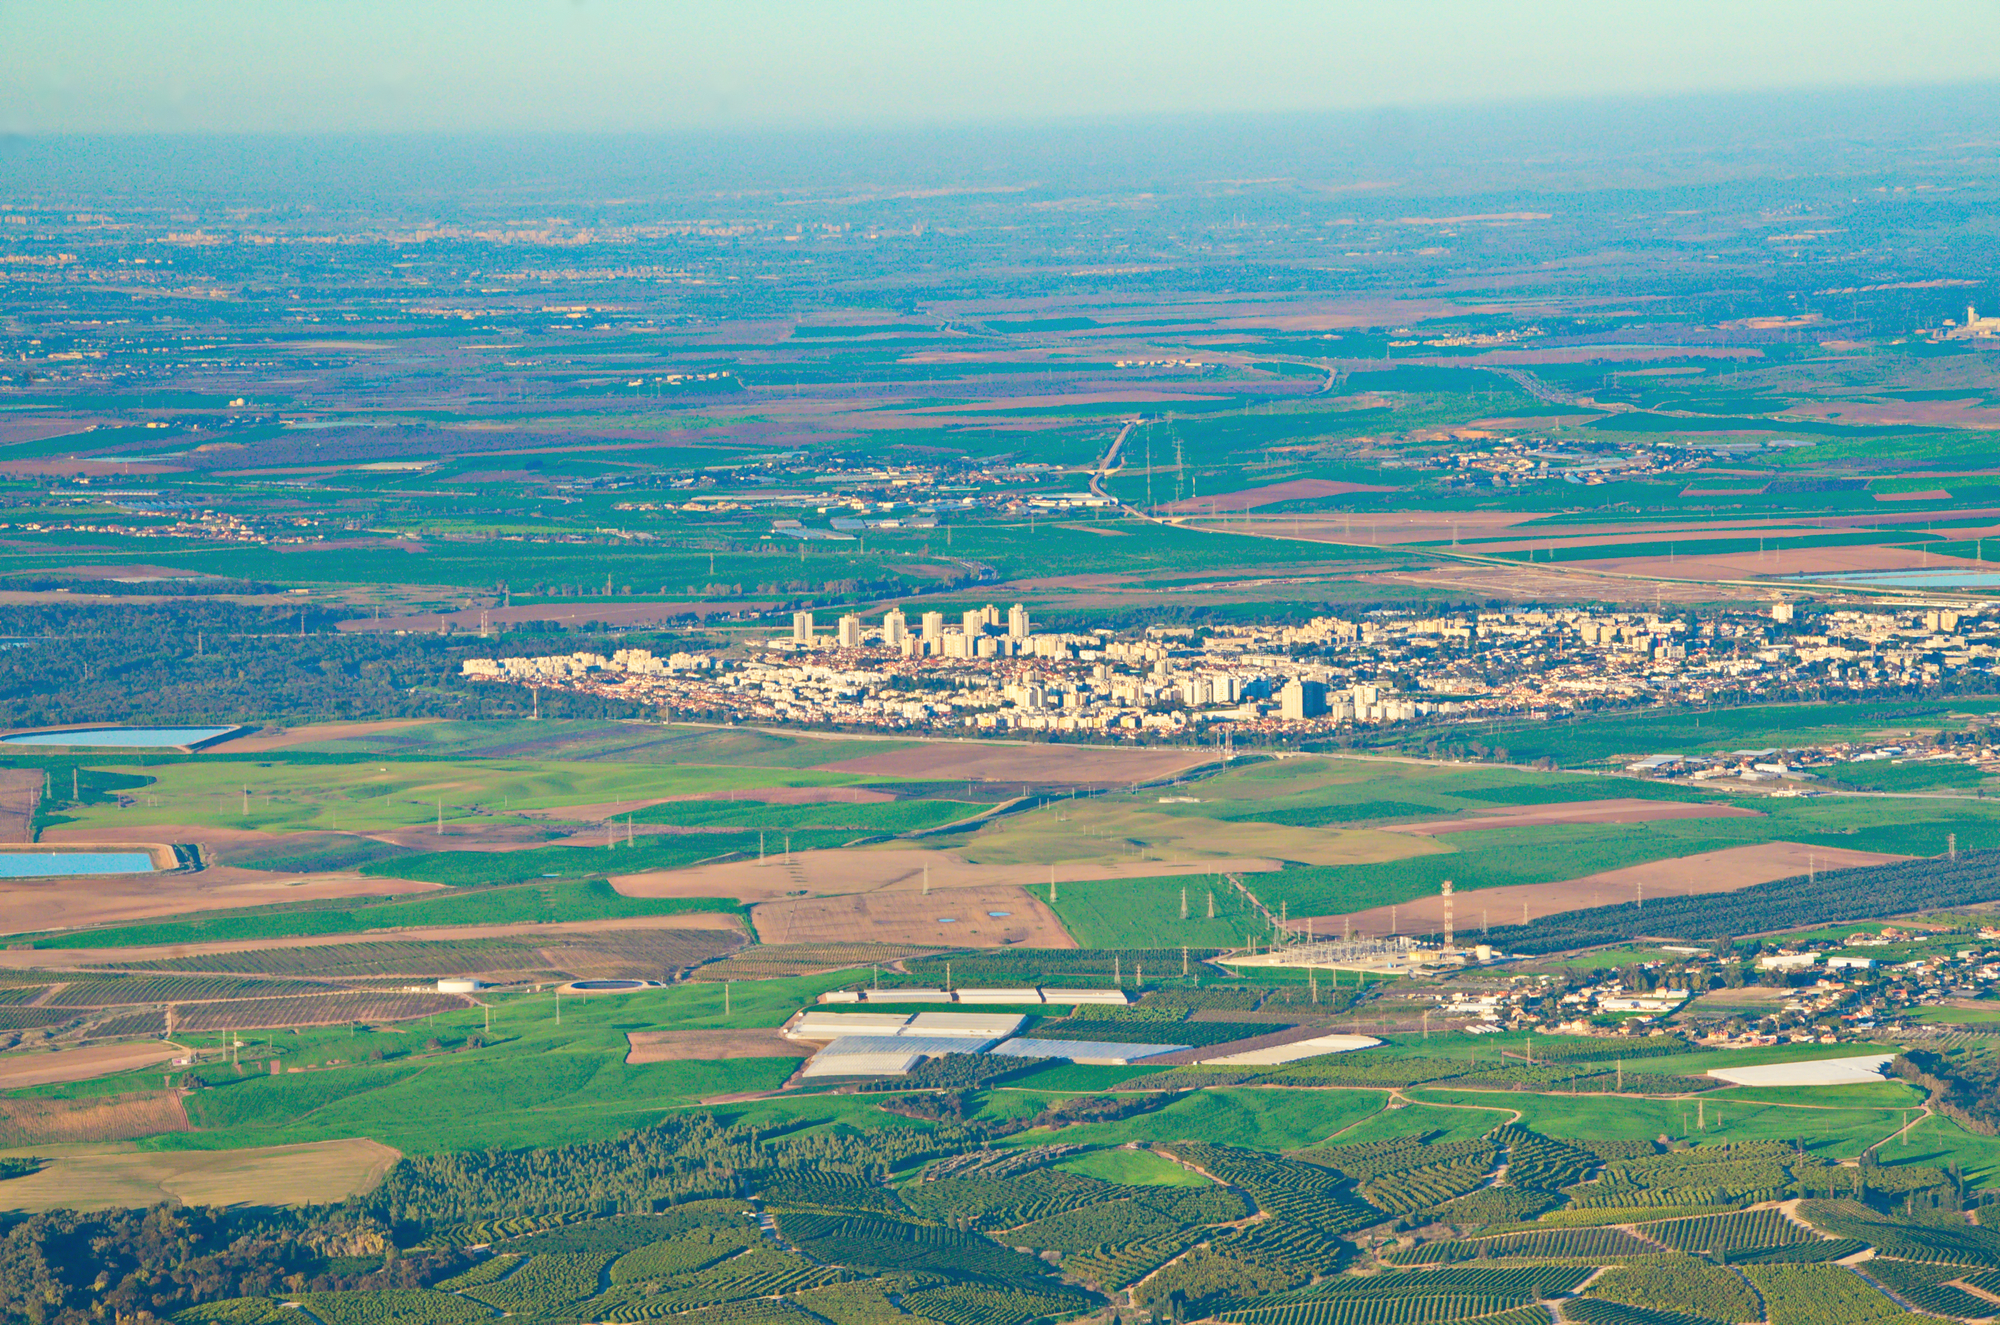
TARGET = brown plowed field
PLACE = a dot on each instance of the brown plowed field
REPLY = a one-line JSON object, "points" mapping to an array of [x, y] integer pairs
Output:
{"points": [[1622, 811], [32, 1122], [97, 1060], [679, 1046], [30, 905], [20, 790], [959, 917], [284, 738], [1708, 872], [977, 761], [318, 1172]]}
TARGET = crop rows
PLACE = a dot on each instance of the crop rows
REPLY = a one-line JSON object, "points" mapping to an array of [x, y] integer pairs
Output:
{"points": [[1116, 1266], [1556, 1244], [682, 1255], [486, 1272], [1404, 1308], [865, 1303], [1597, 1311], [1094, 1226], [1297, 1247], [998, 1163], [1638, 1198], [1926, 1287], [818, 1188], [1830, 897], [1678, 1283], [1927, 1242], [1404, 1191], [115, 991], [1362, 1168], [756, 1311], [1818, 1295], [1006, 1202], [623, 1233], [236, 1311], [1299, 1193], [1802, 1253], [887, 1244], [1742, 1231], [392, 957], [1496, 1205], [547, 1283], [1534, 1160], [392, 1306], [312, 1010], [968, 1304]]}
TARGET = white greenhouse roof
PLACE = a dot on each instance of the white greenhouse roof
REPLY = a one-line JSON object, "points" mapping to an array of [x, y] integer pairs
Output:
{"points": [[1817, 1072], [1297, 1049]]}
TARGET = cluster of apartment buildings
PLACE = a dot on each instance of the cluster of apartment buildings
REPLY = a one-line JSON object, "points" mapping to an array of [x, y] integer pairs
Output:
{"points": [[985, 669]]}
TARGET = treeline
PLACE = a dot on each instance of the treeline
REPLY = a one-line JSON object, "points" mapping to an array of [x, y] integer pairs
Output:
{"points": [[66, 1268], [682, 1158], [1799, 902], [1965, 1090], [212, 662]]}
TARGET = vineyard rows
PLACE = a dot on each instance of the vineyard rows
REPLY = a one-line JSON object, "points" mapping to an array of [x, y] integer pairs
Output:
{"points": [[1116, 1266], [1534, 1160], [1743, 1231], [966, 1304], [1678, 1283], [392, 1306], [1926, 1287], [682, 1255], [1405, 1191], [1404, 1308], [885, 1244], [311, 1010], [546, 1284], [1818, 1295], [1556, 1244], [1848, 1219], [1597, 1311], [114, 991]]}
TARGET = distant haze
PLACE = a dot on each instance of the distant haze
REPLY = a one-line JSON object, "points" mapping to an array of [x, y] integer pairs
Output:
{"points": [[512, 66]]}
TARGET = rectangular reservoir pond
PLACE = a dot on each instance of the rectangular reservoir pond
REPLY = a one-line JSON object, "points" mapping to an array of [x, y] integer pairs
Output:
{"points": [[146, 738], [51, 864]]}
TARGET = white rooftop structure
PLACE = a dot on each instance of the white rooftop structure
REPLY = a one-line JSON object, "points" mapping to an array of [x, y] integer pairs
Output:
{"points": [[1004, 996], [1817, 1072], [885, 1055], [980, 1025], [1098, 1052], [832, 1025], [1085, 996], [1297, 1049]]}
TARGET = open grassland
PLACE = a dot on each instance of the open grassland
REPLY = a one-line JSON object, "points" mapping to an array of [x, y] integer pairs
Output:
{"points": [[285, 796], [536, 1081], [1106, 830], [549, 902], [583, 740]]}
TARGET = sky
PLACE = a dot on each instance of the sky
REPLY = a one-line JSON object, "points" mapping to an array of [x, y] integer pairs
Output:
{"points": [[565, 66]]}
